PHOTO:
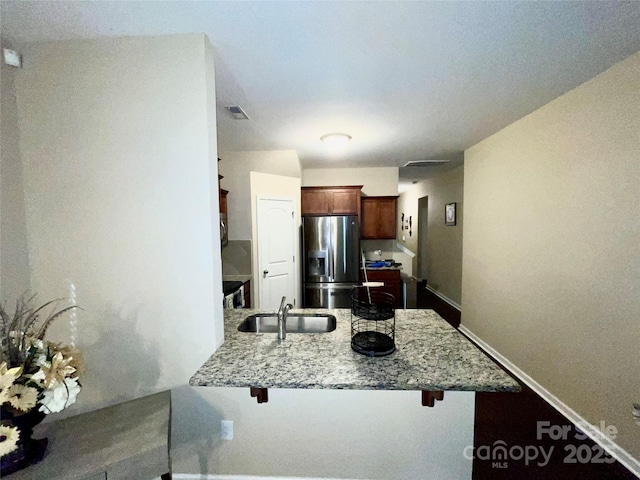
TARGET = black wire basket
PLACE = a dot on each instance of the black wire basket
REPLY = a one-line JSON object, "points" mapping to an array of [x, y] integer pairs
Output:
{"points": [[373, 322]]}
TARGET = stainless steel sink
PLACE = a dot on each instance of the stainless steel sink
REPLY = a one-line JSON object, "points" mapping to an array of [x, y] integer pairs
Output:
{"points": [[296, 323]]}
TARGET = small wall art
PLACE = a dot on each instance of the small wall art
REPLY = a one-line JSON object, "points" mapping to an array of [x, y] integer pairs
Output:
{"points": [[450, 214]]}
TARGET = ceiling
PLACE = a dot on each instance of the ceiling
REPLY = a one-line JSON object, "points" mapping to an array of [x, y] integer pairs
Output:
{"points": [[407, 80]]}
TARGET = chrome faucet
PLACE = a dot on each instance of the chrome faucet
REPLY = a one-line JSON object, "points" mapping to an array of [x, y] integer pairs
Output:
{"points": [[282, 318]]}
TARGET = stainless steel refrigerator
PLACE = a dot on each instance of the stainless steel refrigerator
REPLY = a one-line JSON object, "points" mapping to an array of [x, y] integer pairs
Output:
{"points": [[331, 261]]}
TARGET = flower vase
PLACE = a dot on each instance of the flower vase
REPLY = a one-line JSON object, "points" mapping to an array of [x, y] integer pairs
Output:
{"points": [[29, 450]]}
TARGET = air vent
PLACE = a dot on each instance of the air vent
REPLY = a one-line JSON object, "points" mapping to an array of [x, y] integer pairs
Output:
{"points": [[425, 163], [237, 112]]}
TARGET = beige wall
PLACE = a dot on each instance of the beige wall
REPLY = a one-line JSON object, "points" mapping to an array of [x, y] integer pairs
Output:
{"points": [[276, 186], [325, 434], [117, 138], [376, 181], [14, 257], [236, 167], [443, 249], [551, 267]]}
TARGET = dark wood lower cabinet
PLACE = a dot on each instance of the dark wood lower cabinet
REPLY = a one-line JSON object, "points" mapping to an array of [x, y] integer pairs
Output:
{"points": [[391, 280], [247, 294]]}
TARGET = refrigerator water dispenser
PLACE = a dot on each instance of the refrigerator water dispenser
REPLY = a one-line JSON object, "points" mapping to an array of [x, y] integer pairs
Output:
{"points": [[317, 263]]}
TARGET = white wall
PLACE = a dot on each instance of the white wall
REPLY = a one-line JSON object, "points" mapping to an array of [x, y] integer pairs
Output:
{"points": [[235, 167], [376, 181], [551, 262], [214, 205], [14, 257], [117, 138], [263, 185], [325, 434]]}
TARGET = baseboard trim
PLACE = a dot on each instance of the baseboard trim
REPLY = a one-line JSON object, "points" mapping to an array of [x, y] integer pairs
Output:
{"points": [[197, 476], [444, 298], [611, 447]]}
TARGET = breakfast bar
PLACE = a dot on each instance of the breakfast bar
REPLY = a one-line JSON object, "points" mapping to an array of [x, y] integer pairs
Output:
{"points": [[430, 356]]}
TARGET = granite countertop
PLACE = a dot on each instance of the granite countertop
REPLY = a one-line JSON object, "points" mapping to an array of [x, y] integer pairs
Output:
{"points": [[236, 278], [430, 355]]}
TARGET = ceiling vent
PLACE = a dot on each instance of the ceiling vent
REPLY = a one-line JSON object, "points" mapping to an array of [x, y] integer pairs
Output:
{"points": [[237, 112], [425, 163]]}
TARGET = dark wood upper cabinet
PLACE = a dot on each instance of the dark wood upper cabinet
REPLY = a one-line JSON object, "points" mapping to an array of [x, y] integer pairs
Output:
{"points": [[331, 200], [314, 201], [379, 218]]}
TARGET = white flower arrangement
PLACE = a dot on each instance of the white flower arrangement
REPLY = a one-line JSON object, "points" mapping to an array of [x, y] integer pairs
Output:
{"points": [[35, 374]]}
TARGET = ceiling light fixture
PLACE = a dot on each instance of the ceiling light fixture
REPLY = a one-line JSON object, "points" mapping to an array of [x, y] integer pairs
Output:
{"points": [[335, 141]]}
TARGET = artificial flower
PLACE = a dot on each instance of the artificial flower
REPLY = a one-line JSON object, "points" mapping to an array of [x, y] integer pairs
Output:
{"points": [[35, 342], [9, 437], [60, 396], [56, 370], [38, 377], [7, 377], [22, 397], [45, 376], [76, 359], [9, 371]]}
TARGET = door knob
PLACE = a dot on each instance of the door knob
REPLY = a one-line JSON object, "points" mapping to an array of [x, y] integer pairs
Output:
{"points": [[265, 273]]}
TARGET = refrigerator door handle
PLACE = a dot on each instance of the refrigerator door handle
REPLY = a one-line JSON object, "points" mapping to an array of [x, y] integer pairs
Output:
{"points": [[331, 249], [331, 260]]}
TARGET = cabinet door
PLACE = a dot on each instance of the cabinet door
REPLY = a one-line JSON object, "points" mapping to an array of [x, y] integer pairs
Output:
{"points": [[223, 201], [392, 283], [387, 218], [345, 202], [379, 217], [331, 200], [369, 219], [247, 294], [314, 202]]}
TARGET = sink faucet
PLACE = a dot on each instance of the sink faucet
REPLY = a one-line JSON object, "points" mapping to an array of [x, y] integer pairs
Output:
{"points": [[282, 318]]}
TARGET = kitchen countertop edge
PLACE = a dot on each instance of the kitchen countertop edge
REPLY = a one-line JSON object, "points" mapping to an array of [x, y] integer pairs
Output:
{"points": [[430, 355], [236, 278]]}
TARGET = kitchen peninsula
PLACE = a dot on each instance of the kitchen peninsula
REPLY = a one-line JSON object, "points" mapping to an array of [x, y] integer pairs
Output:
{"points": [[431, 356]]}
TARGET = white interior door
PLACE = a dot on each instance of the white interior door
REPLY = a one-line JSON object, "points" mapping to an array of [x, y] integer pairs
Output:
{"points": [[276, 251]]}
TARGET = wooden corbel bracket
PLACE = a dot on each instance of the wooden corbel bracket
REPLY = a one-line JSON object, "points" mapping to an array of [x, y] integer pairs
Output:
{"points": [[429, 398], [261, 394]]}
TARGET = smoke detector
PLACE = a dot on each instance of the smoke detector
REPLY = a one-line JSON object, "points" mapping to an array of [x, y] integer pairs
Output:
{"points": [[424, 163], [237, 112]]}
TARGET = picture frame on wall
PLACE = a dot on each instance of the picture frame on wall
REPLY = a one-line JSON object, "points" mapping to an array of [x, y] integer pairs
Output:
{"points": [[450, 214]]}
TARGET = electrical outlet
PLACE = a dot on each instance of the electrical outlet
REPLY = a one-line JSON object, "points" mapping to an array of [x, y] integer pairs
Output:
{"points": [[226, 429]]}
